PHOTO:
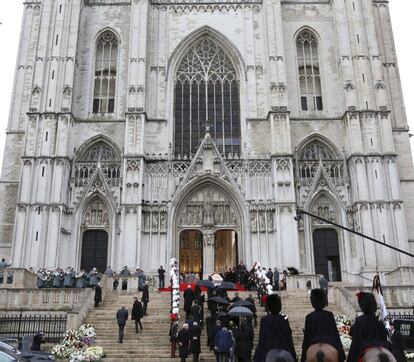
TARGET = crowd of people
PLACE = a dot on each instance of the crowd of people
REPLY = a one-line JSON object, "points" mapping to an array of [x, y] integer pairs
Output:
{"points": [[231, 338]]}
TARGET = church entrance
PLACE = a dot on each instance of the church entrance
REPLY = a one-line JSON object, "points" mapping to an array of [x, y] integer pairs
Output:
{"points": [[225, 250], [94, 250], [326, 253], [191, 252]]}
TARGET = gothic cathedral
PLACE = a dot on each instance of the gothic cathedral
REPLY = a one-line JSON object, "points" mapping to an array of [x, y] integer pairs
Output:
{"points": [[142, 130]]}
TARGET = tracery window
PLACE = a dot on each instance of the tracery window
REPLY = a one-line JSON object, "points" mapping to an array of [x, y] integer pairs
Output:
{"points": [[317, 150], [309, 76], [105, 73], [206, 92], [101, 155]]}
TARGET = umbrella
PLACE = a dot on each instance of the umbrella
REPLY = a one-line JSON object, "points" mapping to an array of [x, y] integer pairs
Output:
{"points": [[205, 283], [219, 300], [221, 315], [242, 303], [240, 311], [216, 277], [227, 286]]}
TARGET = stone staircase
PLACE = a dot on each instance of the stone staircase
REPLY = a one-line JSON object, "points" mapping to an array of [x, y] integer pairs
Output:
{"points": [[153, 343]]}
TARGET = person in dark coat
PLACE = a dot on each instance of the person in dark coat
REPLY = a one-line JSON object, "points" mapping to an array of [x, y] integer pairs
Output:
{"points": [[252, 308], [397, 344], [145, 297], [195, 342], [274, 331], [198, 296], [244, 337], [196, 312], [367, 330], [209, 329], [320, 326], [121, 318], [223, 345], [161, 277], [98, 296], [183, 339], [38, 340], [173, 333], [214, 332], [188, 301], [323, 284], [137, 313]]}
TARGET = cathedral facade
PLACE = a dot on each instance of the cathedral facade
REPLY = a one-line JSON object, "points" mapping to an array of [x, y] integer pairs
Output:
{"points": [[142, 130]]}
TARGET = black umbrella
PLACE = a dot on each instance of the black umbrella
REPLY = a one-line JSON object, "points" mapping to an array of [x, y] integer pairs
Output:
{"points": [[205, 283], [219, 300], [242, 303], [221, 315], [239, 311], [227, 286]]}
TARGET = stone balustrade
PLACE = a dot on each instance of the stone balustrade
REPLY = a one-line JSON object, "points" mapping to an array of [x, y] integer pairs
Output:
{"points": [[299, 281], [14, 278]]}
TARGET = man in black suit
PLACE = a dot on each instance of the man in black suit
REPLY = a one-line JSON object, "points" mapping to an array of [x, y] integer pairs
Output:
{"points": [[145, 297], [397, 344], [161, 277], [137, 313], [188, 301], [121, 318]]}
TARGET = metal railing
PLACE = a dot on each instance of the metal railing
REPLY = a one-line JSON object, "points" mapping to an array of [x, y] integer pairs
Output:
{"points": [[19, 325]]}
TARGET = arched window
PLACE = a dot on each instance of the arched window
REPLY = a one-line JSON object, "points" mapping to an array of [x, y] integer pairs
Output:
{"points": [[315, 151], [105, 73], [206, 92], [99, 155], [309, 76]]}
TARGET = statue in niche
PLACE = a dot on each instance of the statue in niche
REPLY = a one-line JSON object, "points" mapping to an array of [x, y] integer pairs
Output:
{"points": [[93, 217], [163, 221], [87, 219], [216, 214], [208, 237], [199, 214], [269, 222], [105, 219], [233, 218], [208, 214], [262, 222], [221, 214], [147, 222], [99, 218], [154, 225], [253, 221]]}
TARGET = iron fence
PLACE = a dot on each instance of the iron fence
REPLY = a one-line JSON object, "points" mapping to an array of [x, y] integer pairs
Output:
{"points": [[19, 325]]}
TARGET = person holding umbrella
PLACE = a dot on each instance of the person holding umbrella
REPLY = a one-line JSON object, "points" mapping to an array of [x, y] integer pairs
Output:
{"points": [[188, 301], [244, 337]]}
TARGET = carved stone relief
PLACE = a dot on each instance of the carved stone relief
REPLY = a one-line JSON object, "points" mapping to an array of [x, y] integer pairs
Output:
{"points": [[323, 208], [96, 215], [154, 220]]}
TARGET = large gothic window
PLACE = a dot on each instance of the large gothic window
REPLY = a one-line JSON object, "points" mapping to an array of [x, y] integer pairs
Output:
{"points": [[206, 92], [308, 68], [105, 73]]}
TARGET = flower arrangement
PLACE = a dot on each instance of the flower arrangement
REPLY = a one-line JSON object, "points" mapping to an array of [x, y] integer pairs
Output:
{"points": [[409, 356], [76, 345], [343, 324]]}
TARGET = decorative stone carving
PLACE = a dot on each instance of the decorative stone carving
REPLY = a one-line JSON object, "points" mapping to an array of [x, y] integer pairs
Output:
{"points": [[323, 208], [96, 215]]}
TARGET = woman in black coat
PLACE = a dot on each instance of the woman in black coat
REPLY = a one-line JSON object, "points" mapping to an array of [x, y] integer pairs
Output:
{"points": [[183, 339], [320, 326]]}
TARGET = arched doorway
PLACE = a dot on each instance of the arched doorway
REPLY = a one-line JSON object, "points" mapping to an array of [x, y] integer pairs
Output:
{"points": [[191, 252], [225, 250], [94, 250], [326, 254]]}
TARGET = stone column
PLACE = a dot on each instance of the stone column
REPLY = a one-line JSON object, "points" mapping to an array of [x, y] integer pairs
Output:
{"points": [[208, 252]]}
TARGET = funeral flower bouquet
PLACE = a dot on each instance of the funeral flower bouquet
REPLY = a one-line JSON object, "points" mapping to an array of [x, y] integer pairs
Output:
{"points": [[409, 356], [343, 324], [76, 345]]}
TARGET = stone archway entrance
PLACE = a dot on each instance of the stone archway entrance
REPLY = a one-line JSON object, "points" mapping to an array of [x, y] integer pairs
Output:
{"points": [[191, 252], [225, 250], [94, 250], [326, 252], [210, 212]]}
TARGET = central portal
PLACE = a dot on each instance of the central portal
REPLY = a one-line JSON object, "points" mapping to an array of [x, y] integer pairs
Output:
{"points": [[208, 232]]}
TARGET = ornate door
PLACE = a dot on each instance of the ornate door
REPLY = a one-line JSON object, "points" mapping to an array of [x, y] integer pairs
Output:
{"points": [[191, 252], [94, 250], [326, 252]]}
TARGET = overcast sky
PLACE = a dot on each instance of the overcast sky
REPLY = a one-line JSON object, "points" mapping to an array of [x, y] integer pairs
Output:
{"points": [[11, 14]]}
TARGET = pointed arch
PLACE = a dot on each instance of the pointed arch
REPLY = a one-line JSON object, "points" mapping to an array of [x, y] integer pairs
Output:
{"points": [[230, 48], [317, 138], [94, 141], [307, 55], [206, 83], [326, 205]]}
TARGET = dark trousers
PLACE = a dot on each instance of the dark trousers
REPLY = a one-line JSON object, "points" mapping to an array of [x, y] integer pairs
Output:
{"points": [[96, 303], [121, 332], [182, 359], [187, 315], [173, 348], [145, 306], [162, 283], [195, 357], [138, 321], [222, 357], [325, 292]]}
